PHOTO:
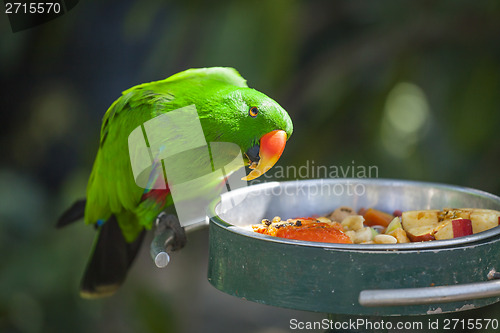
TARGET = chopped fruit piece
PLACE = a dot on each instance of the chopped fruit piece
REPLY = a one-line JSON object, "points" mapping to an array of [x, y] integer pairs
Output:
{"points": [[453, 229], [397, 212], [316, 232], [341, 213], [353, 222], [308, 229], [395, 224], [400, 235], [421, 234], [372, 226], [362, 211], [420, 224], [351, 234], [484, 219], [363, 235], [376, 217]]}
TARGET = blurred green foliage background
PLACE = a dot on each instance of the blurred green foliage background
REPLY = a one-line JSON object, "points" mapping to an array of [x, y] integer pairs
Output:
{"points": [[411, 87]]}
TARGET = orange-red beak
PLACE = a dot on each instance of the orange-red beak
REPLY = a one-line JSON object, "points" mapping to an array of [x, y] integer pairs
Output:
{"points": [[271, 147]]}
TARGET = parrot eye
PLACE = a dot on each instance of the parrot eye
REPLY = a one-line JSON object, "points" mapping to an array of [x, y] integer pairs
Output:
{"points": [[253, 112]]}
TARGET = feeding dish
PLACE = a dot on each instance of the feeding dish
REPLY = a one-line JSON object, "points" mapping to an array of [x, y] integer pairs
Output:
{"points": [[369, 279]]}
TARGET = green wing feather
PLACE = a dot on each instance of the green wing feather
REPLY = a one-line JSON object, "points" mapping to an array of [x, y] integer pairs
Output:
{"points": [[111, 188]]}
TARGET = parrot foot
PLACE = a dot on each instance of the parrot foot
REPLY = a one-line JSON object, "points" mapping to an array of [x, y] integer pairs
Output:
{"points": [[169, 236]]}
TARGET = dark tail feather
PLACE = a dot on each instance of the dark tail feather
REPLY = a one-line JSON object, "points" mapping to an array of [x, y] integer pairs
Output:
{"points": [[111, 259], [72, 214]]}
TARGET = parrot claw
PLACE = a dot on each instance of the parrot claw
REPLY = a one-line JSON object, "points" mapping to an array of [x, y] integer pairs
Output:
{"points": [[169, 236]]}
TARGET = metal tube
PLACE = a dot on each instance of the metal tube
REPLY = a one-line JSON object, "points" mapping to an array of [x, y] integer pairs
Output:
{"points": [[159, 246], [429, 295]]}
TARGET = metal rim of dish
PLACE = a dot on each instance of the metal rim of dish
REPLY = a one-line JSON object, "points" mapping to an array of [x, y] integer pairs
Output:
{"points": [[213, 211]]}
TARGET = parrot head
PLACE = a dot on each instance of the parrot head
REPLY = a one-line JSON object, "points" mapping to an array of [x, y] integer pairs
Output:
{"points": [[256, 123]]}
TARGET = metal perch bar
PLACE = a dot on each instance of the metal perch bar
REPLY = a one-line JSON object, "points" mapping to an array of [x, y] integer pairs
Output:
{"points": [[170, 236], [164, 238], [159, 246]]}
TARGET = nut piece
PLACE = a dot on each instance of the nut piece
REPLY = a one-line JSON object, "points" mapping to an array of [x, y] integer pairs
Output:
{"points": [[385, 239], [341, 213], [324, 219]]}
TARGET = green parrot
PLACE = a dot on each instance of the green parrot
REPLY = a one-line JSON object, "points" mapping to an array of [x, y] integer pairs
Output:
{"points": [[228, 111]]}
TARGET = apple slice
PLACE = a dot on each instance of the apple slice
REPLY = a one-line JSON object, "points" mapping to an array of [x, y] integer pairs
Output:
{"points": [[415, 218], [484, 219], [395, 229], [453, 229], [421, 234], [395, 224], [419, 224]]}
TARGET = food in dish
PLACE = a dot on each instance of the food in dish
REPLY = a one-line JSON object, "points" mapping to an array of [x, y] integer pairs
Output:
{"points": [[373, 226], [425, 225], [308, 229]]}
